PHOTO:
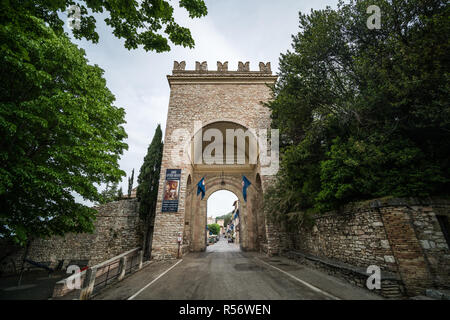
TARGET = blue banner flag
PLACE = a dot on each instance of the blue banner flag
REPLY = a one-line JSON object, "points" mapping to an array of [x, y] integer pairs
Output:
{"points": [[245, 184], [201, 187]]}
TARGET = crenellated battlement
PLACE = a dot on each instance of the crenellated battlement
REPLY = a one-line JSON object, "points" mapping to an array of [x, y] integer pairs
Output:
{"points": [[222, 67]]}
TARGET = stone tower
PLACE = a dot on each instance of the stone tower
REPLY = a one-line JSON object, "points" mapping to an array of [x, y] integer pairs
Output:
{"points": [[201, 102]]}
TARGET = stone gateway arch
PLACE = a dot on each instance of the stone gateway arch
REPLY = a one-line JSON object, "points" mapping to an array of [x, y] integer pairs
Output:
{"points": [[209, 108]]}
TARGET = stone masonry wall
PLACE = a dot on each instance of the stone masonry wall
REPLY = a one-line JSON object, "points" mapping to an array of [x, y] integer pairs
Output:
{"points": [[356, 237], [118, 228], [401, 236], [432, 240], [419, 246]]}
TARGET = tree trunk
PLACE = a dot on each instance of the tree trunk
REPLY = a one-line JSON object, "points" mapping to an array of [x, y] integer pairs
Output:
{"points": [[148, 237], [27, 247], [144, 242]]}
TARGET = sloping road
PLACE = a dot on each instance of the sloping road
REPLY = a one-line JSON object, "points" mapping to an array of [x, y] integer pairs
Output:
{"points": [[224, 272]]}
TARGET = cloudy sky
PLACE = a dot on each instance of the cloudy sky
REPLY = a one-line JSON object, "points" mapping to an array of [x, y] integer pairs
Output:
{"points": [[233, 30]]}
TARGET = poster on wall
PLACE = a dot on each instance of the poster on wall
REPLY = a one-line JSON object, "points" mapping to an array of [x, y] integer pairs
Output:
{"points": [[171, 190]]}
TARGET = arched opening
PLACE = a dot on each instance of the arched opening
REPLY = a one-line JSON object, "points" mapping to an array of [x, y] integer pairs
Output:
{"points": [[224, 143], [229, 140], [222, 211]]}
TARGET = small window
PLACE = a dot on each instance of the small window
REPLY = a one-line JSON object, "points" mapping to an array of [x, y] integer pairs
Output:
{"points": [[445, 227]]}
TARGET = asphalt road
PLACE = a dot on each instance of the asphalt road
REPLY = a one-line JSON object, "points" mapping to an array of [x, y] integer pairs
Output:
{"points": [[223, 272], [36, 285]]}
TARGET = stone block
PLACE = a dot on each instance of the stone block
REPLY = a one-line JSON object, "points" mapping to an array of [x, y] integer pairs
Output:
{"points": [[425, 244], [389, 259], [385, 244]]}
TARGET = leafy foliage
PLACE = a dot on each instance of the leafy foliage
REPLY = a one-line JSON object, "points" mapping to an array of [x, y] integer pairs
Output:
{"points": [[363, 113], [226, 218], [112, 192], [61, 133], [147, 23], [214, 228], [148, 180]]}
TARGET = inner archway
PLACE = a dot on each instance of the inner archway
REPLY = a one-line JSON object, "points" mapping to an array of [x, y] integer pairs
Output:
{"points": [[239, 144], [220, 203], [222, 207]]}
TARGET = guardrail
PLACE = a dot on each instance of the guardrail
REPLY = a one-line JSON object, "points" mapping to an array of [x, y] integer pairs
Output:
{"points": [[93, 279]]}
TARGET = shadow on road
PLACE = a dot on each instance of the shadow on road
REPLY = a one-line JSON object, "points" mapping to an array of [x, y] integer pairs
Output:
{"points": [[36, 285]]}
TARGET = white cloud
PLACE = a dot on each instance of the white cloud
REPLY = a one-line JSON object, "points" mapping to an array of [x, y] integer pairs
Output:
{"points": [[220, 203]]}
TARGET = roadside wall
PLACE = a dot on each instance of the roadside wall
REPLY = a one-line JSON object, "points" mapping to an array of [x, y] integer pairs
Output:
{"points": [[118, 228], [401, 236]]}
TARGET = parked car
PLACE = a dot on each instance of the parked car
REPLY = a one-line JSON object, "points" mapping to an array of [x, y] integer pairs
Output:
{"points": [[213, 238]]}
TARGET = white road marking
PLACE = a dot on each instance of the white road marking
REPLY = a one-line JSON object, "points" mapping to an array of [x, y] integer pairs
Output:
{"points": [[301, 281], [153, 281]]}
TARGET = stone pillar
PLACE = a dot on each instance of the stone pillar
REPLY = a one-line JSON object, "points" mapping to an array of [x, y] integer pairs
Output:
{"points": [[88, 285], [202, 215], [407, 250], [122, 268], [245, 233], [141, 258], [273, 239]]}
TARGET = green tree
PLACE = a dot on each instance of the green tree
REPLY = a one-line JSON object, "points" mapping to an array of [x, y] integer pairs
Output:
{"points": [[362, 112], [61, 133], [120, 194], [110, 193], [147, 23], [148, 182], [214, 228], [130, 184], [226, 218]]}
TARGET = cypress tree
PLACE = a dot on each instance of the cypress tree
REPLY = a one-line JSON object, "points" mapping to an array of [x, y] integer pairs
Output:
{"points": [[147, 190], [120, 194], [130, 183]]}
